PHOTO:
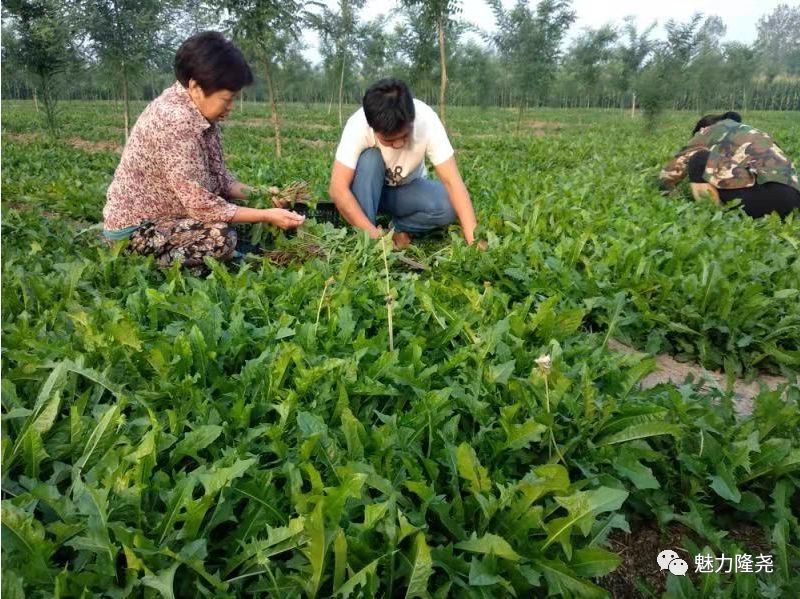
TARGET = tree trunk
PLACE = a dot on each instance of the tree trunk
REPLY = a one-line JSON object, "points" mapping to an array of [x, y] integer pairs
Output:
{"points": [[633, 106], [519, 116], [126, 100], [274, 107], [35, 101], [49, 104], [442, 68], [341, 89]]}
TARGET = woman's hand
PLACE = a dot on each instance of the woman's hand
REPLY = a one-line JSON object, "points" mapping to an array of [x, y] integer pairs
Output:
{"points": [[284, 219], [239, 191], [277, 200]]}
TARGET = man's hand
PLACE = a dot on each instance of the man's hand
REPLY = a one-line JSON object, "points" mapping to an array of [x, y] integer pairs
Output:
{"points": [[450, 177], [284, 219], [346, 203]]}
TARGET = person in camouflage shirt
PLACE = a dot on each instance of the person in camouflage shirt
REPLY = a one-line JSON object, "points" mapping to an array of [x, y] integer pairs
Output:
{"points": [[727, 159]]}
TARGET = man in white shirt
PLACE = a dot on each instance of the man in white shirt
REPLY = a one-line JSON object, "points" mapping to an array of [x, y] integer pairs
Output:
{"points": [[380, 167]]}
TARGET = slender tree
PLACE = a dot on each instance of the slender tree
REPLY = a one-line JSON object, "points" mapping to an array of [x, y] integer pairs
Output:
{"points": [[124, 35], [374, 44], [632, 56], [778, 41], [417, 56], [741, 63], [664, 77], [439, 14], [267, 28], [589, 55], [707, 75], [338, 43], [529, 42], [44, 46]]}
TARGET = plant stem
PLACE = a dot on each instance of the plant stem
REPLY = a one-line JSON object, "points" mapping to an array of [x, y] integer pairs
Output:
{"points": [[321, 300], [547, 408], [389, 299]]}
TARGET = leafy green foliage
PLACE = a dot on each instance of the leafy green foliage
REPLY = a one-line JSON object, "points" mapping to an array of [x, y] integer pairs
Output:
{"points": [[44, 44], [170, 436], [529, 41]]}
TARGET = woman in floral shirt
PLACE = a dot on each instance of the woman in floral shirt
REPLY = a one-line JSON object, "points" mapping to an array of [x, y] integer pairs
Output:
{"points": [[170, 194]]}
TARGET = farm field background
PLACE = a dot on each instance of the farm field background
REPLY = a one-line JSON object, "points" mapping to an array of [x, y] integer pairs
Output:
{"points": [[252, 433]]}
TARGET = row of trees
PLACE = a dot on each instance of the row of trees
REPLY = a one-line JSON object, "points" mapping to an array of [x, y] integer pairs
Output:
{"points": [[123, 49]]}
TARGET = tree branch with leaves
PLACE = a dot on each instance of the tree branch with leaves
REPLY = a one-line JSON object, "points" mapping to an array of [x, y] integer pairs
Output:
{"points": [[439, 14]]}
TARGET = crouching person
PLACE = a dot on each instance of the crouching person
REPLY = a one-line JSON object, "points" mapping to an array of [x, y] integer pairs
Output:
{"points": [[726, 159], [380, 168], [170, 194]]}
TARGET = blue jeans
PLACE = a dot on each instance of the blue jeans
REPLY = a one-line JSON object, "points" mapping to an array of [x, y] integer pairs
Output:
{"points": [[418, 207]]}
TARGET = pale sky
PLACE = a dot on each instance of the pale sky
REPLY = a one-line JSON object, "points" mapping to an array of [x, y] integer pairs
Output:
{"points": [[740, 17]]}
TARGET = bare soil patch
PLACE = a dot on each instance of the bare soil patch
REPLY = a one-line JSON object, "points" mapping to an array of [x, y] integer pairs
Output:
{"points": [[311, 143], [25, 207], [542, 128], [639, 569], [25, 138], [44, 213], [267, 122], [669, 370], [543, 124], [253, 122], [76, 142], [94, 146], [535, 128], [317, 126]]}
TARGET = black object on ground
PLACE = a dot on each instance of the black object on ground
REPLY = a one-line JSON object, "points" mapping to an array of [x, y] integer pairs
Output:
{"points": [[245, 247], [323, 212]]}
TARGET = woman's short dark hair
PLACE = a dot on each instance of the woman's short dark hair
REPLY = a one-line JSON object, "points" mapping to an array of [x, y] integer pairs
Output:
{"points": [[711, 119], [388, 106], [212, 61]]}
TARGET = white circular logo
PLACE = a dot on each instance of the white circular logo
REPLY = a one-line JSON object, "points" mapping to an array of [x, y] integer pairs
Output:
{"points": [[678, 567], [669, 560]]}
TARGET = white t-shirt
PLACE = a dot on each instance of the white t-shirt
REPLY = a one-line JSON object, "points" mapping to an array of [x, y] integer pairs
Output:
{"points": [[428, 138]]}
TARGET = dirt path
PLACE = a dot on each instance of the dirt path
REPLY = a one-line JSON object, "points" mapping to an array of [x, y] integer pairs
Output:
{"points": [[76, 142], [267, 123], [669, 370]]}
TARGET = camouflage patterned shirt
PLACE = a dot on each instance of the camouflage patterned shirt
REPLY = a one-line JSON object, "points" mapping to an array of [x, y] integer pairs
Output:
{"points": [[739, 156]]}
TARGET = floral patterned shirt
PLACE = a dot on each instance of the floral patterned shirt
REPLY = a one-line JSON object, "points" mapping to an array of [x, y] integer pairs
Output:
{"points": [[171, 167]]}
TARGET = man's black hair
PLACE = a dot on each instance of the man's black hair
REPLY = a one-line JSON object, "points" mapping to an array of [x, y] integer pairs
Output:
{"points": [[212, 61], [711, 119], [388, 106]]}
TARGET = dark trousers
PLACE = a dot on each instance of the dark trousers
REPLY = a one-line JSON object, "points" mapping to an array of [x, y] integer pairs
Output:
{"points": [[758, 200]]}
